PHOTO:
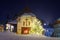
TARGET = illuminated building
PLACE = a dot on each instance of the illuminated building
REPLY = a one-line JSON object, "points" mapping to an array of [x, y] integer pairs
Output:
{"points": [[9, 27], [28, 23], [1, 28], [57, 28]]}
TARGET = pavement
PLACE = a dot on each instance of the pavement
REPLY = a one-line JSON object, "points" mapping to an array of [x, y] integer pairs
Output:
{"points": [[13, 36]]}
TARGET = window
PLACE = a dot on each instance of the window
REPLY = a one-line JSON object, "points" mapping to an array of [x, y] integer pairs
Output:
{"points": [[23, 23], [26, 21], [29, 23]]}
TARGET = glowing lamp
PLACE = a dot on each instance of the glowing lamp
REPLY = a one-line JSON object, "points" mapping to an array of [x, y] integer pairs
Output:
{"points": [[45, 24]]}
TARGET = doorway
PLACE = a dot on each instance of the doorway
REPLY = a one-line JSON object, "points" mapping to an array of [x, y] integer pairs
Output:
{"points": [[25, 30]]}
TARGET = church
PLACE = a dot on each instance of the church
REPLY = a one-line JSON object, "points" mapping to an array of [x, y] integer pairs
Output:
{"points": [[28, 23]]}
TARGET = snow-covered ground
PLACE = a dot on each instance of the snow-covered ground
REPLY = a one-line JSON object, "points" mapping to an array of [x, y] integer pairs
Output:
{"points": [[13, 36]]}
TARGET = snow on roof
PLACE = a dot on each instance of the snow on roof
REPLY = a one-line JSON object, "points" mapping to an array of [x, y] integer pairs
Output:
{"points": [[58, 19], [13, 22], [26, 14]]}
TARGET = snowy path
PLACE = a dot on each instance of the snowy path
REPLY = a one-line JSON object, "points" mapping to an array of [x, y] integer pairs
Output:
{"points": [[13, 36]]}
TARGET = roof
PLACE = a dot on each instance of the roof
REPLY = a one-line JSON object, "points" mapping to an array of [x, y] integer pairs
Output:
{"points": [[26, 11], [12, 22], [26, 14], [58, 19]]}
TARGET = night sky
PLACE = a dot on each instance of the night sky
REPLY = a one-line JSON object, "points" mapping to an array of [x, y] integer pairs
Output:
{"points": [[48, 10]]}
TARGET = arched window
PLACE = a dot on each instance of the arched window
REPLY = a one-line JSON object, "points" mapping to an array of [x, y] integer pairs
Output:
{"points": [[23, 23], [26, 21], [29, 23]]}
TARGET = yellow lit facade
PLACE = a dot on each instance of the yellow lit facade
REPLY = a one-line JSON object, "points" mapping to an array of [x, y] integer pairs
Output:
{"points": [[29, 24]]}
